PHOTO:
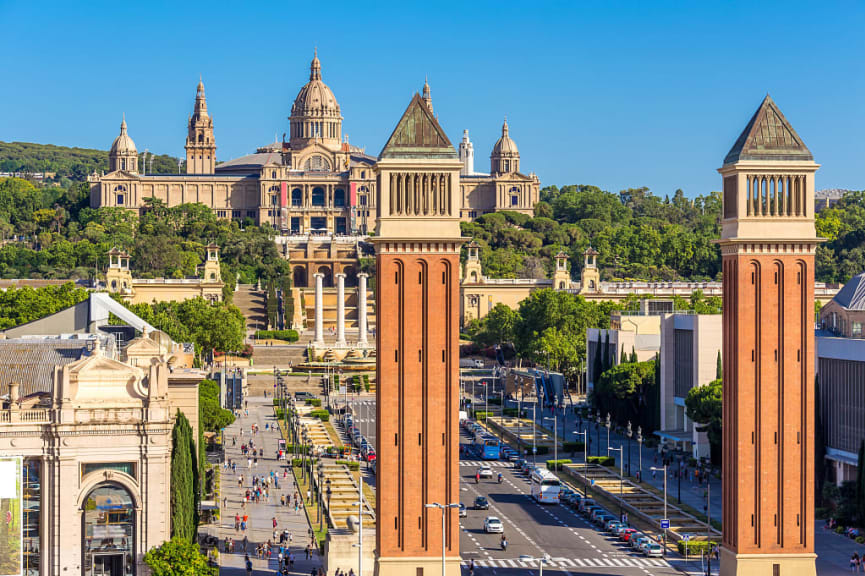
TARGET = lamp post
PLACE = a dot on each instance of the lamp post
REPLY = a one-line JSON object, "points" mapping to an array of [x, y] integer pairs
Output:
{"points": [[585, 435], [598, 434], [442, 507], [681, 458], [534, 434], [608, 425], [540, 560], [664, 468], [555, 436], [630, 433], [621, 452], [320, 497]]}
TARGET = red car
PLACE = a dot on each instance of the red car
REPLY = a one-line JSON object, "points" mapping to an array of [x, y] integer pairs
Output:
{"points": [[626, 534]]}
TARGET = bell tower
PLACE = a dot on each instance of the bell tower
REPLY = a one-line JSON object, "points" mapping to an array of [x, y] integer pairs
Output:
{"points": [[767, 244], [211, 265], [590, 277], [473, 272], [417, 243], [561, 276], [118, 277], [200, 145]]}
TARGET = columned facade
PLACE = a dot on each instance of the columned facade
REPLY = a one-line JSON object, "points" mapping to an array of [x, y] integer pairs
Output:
{"points": [[340, 309], [768, 241], [361, 308], [417, 290], [319, 310]]}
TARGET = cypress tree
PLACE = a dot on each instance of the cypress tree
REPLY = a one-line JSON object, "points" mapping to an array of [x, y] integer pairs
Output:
{"points": [[624, 358], [633, 355], [608, 361], [719, 368], [183, 479]]}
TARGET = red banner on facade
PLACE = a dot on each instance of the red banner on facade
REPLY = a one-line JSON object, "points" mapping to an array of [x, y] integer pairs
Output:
{"points": [[283, 195], [353, 195]]}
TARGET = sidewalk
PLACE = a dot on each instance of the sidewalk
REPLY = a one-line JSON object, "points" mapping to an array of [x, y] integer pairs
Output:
{"points": [[260, 528]]}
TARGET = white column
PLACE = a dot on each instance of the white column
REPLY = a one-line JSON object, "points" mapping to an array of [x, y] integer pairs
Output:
{"points": [[319, 310], [361, 308], [340, 309]]}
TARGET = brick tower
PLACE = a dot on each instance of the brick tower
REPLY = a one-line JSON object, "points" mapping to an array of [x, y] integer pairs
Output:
{"points": [[767, 245], [417, 290], [200, 145]]}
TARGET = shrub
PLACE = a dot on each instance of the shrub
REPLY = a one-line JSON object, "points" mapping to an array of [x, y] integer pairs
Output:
{"points": [[557, 464], [366, 385], [695, 547], [839, 530], [298, 462], [352, 464], [300, 449], [481, 415], [860, 539], [321, 414], [313, 401], [287, 335], [573, 446], [603, 460]]}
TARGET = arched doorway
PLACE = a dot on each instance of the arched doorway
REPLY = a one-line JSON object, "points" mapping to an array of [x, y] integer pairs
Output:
{"points": [[327, 281], [299, 277], [108, 532]]}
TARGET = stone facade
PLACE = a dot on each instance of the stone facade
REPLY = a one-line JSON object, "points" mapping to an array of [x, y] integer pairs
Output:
{"points": [[313, 183]]}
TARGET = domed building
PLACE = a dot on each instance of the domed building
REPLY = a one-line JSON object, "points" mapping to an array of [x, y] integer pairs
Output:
{"points": [[310, 185]]}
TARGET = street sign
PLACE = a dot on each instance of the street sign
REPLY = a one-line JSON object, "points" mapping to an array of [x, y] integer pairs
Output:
{"points": [[342, 389], [665, 524]]}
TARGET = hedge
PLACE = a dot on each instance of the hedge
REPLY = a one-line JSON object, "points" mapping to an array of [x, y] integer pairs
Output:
{"points": [[301, 449], [860, 539], [557, 464], [573, 446], [695, 547], [297, 462], [352, 464], [313, 401], [481, 415], [321, 414], [287, 335], [603, 460]]}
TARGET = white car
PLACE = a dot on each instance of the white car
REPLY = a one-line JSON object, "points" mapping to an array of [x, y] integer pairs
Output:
{"points": [[485, 472], [493, 525], [464, 512], [653, 550]]}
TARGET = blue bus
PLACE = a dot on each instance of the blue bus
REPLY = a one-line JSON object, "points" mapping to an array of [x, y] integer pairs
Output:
{"points": [[488, 446]]}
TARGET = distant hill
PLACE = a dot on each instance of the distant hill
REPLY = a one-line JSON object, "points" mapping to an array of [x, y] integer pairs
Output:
{"points": [[68, 163]]}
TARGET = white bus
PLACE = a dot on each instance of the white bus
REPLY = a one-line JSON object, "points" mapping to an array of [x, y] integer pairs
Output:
{"points": [[545, 486]]}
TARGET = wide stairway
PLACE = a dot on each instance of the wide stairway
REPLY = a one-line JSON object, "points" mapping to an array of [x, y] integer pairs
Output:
{"points": [[252, 304]]}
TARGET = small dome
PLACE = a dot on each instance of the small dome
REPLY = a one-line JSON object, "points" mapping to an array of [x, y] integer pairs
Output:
{"points": [[123, 144], [504, 145], [315, 98]]}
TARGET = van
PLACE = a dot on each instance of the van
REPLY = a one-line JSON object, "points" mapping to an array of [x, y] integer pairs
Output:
{"points": [[463, 416]]}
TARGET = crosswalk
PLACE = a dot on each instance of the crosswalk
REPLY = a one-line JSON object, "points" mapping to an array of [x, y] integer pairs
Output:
{"points": [[623, 562], [490, 463]]}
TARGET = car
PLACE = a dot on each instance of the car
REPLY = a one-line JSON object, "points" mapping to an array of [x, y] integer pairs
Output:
{"points": [[493, 525], [586, 503], [596, 511], [617, 529], [602, 519], [627, 533], [610, 525], [478, 363], [518, 464], [485, 472], [481, 503], [303, 395], [637, 540], [645, 544], [653, 550], [464, 511]]}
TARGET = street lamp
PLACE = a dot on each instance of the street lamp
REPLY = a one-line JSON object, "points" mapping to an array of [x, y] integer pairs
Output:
{"points": [[664, 468], [540, 560], [534, 434], [443, 507], [598, 433], [640, 449], [555, 435], [585, 435], [630, 433], [680, 458], [621, 475], [608, 425]]}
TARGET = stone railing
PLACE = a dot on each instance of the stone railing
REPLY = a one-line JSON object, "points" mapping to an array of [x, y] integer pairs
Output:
{"points": [[31, 416]]}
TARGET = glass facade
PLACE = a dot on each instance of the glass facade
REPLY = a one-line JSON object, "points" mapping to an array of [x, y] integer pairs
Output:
{"points": [[32, 510], [109, 532]]}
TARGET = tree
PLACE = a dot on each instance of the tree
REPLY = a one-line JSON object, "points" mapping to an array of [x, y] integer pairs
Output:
{"points": [[213, 417], [178, 557], [184, 480], [633, 355], [703, 406], [623, 359], [497, 327], [624, 391], [719, 368]]}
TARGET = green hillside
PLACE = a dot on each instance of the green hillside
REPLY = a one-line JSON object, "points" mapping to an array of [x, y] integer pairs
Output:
{"points": [[69, 163]]}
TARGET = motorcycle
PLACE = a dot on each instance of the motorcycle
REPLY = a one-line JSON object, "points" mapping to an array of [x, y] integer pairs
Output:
{"points": [[500, 478], [504, 543]]}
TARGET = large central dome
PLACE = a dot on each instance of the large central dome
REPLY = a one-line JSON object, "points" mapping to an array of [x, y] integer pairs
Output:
{"points": [[315, 113]]}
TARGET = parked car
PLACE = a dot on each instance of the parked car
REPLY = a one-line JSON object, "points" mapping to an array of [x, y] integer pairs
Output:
{"points": [[586, 503], [645, 544], [637, 540], [627, 533], [518, 464], [481, 503], [493, 525], [602, 519], [653, 550], [611, 525]]}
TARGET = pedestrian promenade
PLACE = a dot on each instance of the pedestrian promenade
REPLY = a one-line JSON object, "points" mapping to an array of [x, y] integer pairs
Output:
{"points": [[260, 523]]}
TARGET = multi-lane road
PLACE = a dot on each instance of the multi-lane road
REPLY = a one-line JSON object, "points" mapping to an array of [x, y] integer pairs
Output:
{"points": [[573, 545]]}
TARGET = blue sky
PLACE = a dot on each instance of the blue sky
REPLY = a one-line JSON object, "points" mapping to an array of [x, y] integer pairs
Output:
{"points": [[616, 94]]}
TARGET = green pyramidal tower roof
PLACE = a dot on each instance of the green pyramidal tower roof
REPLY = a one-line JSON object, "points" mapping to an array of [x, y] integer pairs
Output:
{"points": [[418, 135], [768, 136]]}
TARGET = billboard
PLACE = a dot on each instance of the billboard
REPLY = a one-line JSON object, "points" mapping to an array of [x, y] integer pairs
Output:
{"points": [[11, 516]]}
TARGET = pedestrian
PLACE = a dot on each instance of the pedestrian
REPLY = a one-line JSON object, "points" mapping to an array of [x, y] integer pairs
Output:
{"points": [[308, 497], [854, 562], [274, 524]]}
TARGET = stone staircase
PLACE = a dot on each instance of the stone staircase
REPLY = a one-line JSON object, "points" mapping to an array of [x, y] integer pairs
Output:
{"points": [[252, 305]]}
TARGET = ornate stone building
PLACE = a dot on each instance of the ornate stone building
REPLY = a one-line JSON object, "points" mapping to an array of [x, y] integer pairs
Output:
{"points": [[313, 183]]}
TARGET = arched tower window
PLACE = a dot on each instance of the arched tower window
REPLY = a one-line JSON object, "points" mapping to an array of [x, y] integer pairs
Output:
{"points": [[297, 197], [318, 196], [108, 524]]}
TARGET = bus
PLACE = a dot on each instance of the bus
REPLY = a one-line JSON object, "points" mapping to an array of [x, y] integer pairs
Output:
{"points": [[488, 446], [545, 486]]}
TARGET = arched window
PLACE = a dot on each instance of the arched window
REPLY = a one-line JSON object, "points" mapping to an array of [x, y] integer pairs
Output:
{"points": [[318, 196], [273, 174], [591, 284], [316, 163], [297, 197], [339, 197], [201, 137], [108, 531]]}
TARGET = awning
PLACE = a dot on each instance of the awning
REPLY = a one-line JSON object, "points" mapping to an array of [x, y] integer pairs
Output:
{"points": [[841, 456], [676, 435]]}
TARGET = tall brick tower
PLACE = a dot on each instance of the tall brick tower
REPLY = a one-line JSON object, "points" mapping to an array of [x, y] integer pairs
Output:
{"points": [[767, 245], [417, 290], [200, 145]]}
